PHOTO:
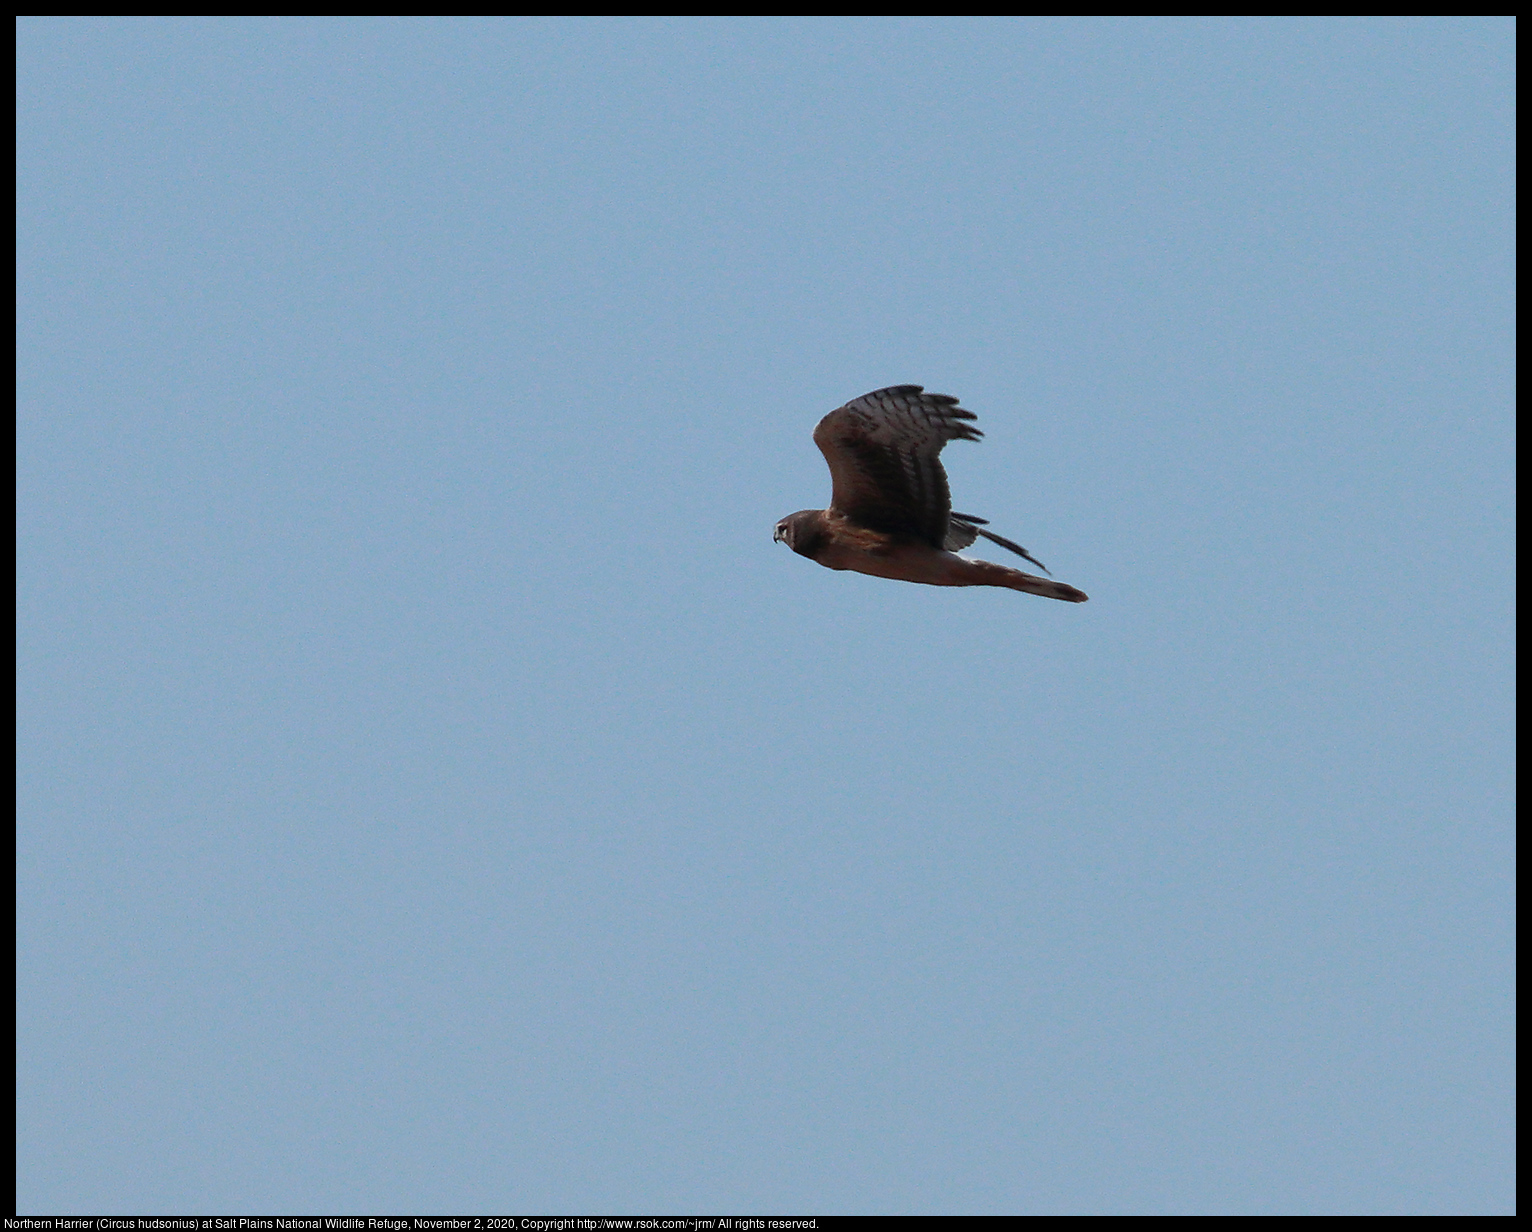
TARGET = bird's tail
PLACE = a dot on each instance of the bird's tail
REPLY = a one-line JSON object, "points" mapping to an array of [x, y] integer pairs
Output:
{"points": [[987, 573]]}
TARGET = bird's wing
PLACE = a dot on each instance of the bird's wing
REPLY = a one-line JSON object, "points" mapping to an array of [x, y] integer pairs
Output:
{"points": [[964, 528], [883, 450]]}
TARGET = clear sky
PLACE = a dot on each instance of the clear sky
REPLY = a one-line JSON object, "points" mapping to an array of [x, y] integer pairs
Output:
{"points": [[437, 791]]}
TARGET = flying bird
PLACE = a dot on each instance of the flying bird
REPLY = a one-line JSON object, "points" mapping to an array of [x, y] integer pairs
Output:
{"points": [[890, 511]]}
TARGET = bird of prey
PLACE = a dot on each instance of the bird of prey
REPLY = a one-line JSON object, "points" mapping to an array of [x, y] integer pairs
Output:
{"points": [[890, 512]]}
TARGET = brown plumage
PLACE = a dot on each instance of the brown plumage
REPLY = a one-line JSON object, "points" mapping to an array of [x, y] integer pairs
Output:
{"points": [[890, 511]]}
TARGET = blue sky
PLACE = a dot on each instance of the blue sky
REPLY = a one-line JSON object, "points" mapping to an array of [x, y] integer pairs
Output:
{"points": [[438, 793]]}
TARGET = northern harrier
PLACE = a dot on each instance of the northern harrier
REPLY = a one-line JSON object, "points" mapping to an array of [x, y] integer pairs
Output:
{"points": [[890, 512]]}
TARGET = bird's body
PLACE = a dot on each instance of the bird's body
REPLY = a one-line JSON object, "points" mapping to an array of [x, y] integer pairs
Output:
{"points": [[890, 511]]}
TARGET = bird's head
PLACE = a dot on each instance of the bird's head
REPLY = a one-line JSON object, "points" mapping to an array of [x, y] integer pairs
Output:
{"points": [[799, 530]]}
